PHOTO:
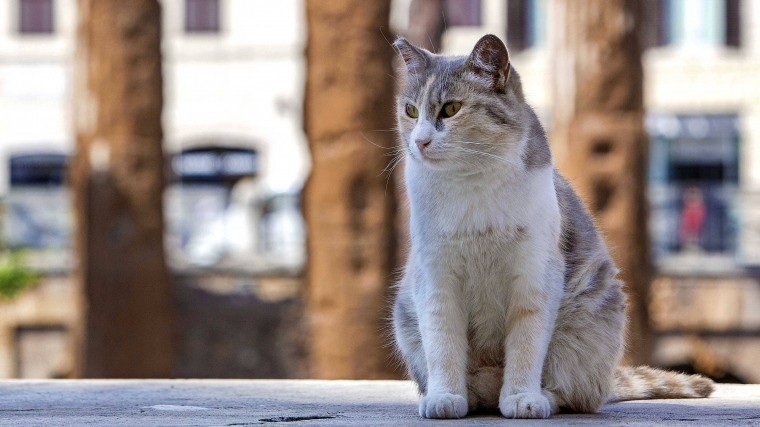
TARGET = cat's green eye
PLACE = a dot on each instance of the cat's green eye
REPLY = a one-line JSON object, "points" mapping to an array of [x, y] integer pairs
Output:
{"points": [[450, 108], [411, 111]]}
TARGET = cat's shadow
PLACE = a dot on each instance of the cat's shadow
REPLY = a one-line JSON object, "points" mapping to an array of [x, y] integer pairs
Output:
{"points": [[651, 411], [706, 410]]}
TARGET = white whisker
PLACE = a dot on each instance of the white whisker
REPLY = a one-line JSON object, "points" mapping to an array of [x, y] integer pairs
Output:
{"points": [[393, 147], [485, 154]]}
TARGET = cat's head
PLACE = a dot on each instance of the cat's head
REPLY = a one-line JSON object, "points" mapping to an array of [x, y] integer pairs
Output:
{"points": [[461, 111]]}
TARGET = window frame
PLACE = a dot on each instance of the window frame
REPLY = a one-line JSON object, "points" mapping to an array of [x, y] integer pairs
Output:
{"points": [[659, 18]]}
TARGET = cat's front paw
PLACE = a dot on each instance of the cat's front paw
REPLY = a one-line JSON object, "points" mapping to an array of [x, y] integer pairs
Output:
{"points": [[443, 405], [525, 405]]}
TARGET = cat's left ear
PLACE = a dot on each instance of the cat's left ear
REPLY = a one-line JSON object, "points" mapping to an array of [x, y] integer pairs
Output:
{"points": [[490, 59], [416, 59]]}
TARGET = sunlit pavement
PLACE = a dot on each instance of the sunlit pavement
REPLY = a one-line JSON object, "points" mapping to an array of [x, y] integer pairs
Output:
{"points": [[305, 402]]}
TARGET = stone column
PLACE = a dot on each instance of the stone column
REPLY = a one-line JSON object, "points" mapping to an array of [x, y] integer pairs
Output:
{"points": [[598, 136], [118, 182], [348, 206]]}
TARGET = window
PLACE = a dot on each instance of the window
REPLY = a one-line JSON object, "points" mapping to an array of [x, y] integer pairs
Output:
{"points": [[37, 207], [692, 23], [217, 213], [526, 24], [693, 183], [35, 16], [462, 13], [696, 22], [202, 16], [206, 222]]}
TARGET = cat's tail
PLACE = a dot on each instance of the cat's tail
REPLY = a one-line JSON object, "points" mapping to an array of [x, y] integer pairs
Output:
{"points": [[643, 382]]}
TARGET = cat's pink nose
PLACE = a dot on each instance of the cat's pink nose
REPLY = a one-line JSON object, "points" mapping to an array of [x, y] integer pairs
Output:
{"points": [[422, 143]]}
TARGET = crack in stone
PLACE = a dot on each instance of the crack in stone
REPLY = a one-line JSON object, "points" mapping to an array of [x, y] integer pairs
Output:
{"points": [[296, 418]]}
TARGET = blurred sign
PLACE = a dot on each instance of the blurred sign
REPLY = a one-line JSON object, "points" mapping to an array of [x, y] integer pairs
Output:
{"points": [[215, 164], [693, 126], [703, 151]]}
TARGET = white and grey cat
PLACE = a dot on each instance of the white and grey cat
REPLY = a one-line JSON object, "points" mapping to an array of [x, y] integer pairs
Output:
{"points": [[509, 298]]}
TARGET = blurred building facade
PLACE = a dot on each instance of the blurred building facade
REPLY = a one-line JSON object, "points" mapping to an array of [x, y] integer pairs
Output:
{"points": [[233, 73], [702, 97], [235, 153], [232, 81]]}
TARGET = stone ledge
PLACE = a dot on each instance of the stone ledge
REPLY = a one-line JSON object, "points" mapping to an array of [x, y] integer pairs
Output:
{"points": [[311, 402]]}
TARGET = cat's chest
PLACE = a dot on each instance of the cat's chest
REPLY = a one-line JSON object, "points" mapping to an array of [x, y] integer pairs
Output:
{"points": [[482, 222], [478, 211]]}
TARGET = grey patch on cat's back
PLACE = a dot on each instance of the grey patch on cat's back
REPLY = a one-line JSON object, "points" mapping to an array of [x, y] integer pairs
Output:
{"points": [[604, 272]]}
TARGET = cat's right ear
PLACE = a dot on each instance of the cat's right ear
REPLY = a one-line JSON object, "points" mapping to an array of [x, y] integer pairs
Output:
{"points": [[416, 59], [490, 59]]}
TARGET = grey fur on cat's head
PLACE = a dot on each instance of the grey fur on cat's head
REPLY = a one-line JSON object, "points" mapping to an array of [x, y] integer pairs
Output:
{"points": [[493, 120]]}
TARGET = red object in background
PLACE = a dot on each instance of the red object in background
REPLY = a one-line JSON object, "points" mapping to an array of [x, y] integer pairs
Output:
{"points": [[693, 216]]}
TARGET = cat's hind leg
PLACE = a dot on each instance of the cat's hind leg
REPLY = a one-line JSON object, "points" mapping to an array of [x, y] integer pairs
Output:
{"points": [[586, 348]]}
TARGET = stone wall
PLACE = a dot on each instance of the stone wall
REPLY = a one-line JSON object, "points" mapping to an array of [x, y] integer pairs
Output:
{"points": [[231, 325], [710, 324]]}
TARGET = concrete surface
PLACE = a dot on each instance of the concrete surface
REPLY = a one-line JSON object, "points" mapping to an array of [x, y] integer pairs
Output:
{"points": [[262, 402]]}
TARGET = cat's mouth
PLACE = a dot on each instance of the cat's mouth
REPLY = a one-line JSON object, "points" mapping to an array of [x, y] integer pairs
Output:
{"points": [[427, 158]]}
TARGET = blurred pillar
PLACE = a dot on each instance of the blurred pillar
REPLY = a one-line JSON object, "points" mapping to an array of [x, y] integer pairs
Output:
{"points": [[117, 180], [426, 24], [349, 209], [599, 139]]}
